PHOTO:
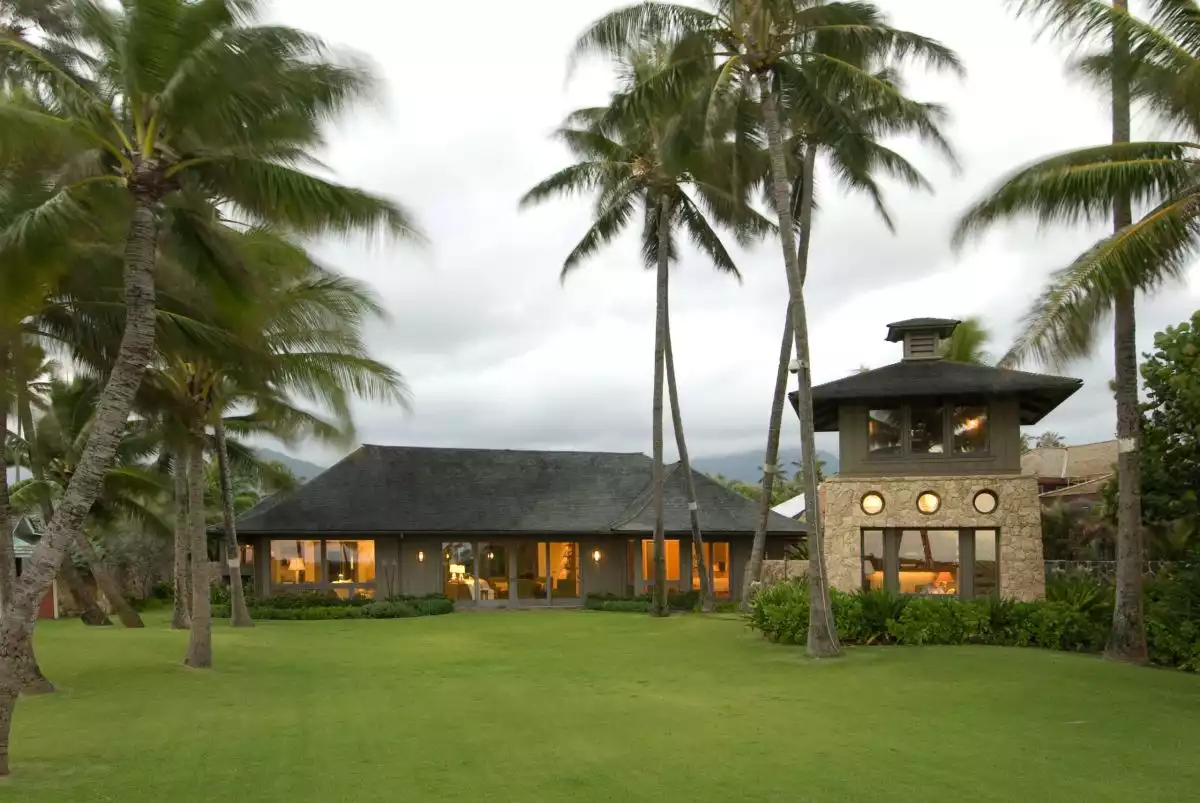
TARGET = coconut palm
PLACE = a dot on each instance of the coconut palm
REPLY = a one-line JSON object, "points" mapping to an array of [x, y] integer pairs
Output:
{"points": [[783, 46], [969, 342], [853, 148], [168, 102], [654, 160], [1150, 60]]}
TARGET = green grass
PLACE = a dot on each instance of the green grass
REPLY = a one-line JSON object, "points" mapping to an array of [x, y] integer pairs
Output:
{"points": [[587, 706]]}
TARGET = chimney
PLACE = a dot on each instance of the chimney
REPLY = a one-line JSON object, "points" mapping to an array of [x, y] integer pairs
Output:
{"points": [[922, 337]]}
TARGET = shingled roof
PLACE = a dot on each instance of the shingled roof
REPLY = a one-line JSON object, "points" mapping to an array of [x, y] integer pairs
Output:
{"points": [[1037, 394], [398, 489]]}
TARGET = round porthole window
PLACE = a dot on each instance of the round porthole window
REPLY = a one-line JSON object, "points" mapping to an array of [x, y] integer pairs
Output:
{"points": [[929, 502], [872, 503], [986, 502]]}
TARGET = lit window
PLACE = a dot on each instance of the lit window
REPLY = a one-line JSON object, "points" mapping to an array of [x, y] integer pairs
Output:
{"points": [[928, 562], [883, 432], [986, 502], [970, 425], [716, 558], [295, 562], [873, 560], [929, 503], [648, 560], [926, 430], [872, 504], [350, 561]]}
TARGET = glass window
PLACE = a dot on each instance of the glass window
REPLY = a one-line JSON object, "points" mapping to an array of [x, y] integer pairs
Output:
{"points": [[458, 566], [716, 558], [928, 562], [883, 432], [926, 430], [350, 561], [564, 570], [493, 571], [648, 561], [970, 426], [987, 565], [295, 562], [872, 559], [531, 570], [246, 554]]}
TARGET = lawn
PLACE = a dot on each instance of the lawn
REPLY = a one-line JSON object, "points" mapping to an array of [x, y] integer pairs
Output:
{"points": [[587, 706]]}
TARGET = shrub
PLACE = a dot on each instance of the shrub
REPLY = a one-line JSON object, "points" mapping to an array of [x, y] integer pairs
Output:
{"points": [[780, 612], [389, 609], [877, 608], [622, 606], [1173, 616], [938, 620], [683, 600]]}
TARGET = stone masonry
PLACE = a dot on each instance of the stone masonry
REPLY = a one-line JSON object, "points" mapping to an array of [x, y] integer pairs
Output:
{"points": [[1018, 518]]}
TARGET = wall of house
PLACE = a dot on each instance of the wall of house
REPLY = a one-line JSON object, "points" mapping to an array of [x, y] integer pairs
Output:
{"points": [[419, 577], [1017, 518], [1004, 447], [606, 576]]}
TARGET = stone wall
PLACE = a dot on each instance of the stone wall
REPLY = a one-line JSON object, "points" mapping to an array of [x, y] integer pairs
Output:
{"points": [[1017, 517], [779, 571]]}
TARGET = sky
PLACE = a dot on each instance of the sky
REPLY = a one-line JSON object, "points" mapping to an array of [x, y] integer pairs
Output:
{"points": [[498, 353]]}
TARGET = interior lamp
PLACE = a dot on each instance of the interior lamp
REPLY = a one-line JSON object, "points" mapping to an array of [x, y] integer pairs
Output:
{"points": [[296, 565]]}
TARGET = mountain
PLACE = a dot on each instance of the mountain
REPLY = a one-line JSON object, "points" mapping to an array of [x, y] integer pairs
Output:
{"points": [[747, 466], [303, 469]]}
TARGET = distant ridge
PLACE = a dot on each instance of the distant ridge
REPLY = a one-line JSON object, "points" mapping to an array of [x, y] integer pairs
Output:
{"points": [[747, 466], [303, 469]]}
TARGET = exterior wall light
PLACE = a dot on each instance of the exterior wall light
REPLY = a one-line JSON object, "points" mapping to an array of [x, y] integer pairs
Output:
{"points": [[421, 556], [986, 502], [929, 503], [596, 556], [872, 503]]}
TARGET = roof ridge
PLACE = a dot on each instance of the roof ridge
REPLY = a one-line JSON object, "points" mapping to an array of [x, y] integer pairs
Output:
{"points": [[643, 497]]}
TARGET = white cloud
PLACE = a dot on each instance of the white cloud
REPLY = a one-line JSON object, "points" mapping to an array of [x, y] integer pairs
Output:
{"points": [[498, 353]]}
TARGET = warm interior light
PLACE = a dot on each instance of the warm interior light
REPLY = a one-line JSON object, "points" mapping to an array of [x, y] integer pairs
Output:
{"points": [[928, 502], [596, 555], [872, 504], [971, 424], [421, 556], [296, 565]]}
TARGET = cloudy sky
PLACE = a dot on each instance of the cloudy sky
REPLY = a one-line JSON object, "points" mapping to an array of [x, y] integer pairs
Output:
{"points": [[498, 354]]}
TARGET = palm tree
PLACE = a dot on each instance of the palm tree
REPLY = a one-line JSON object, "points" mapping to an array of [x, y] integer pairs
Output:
{"points": [[968, 343], [1148, 60], [653, 160], [783, 46], [168, 103]]}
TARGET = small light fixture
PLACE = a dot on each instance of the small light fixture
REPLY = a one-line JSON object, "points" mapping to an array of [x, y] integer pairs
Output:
{"points": [[929, 503], [872, 503], [596, 555], [491, 554], [986, 502], [420, 556]]}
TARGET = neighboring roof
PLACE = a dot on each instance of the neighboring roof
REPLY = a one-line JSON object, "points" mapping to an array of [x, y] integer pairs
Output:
{"points": [[791, 508], [943, 327], [394, 489], [1037, 394], [1087, 488], [22, 549], [25, 535], [1086, 461]]}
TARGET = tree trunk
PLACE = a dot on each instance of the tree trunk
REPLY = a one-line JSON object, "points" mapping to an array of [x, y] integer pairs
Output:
{"points": [[660, 605], [181, 611], [822, 635], [107, 583], [1127, 640], [770, 464], [112, 411], [199, 654], [91, 613], [703, 570], [239, 613], [8, 559]]}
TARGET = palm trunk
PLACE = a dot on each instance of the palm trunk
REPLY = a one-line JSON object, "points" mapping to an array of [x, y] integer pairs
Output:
{"points": [[660, 606], [239, 614], [199, 654], [107, 583], [8, 559], [112, 410], [685, 464], [822, 635], [770, 465], [1127, 640], [181, 611], [90, 612]]}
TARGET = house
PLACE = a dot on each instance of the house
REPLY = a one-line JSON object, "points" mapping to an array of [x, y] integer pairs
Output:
{"points": [[494, 528], [1072, 474], [24, 536], [931, 497]]}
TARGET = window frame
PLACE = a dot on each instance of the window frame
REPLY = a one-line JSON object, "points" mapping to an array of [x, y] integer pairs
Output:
{"points": [[947, 404], [326, 585], [966, 558]]}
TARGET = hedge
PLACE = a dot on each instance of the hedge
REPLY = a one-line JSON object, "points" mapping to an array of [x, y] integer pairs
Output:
{"points": [[676, 601], [318, 608], [1075, 616]]}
